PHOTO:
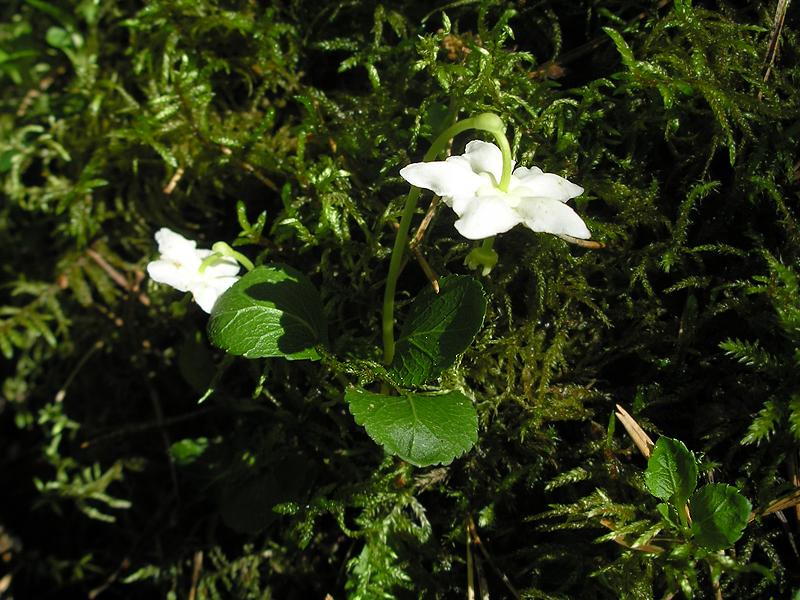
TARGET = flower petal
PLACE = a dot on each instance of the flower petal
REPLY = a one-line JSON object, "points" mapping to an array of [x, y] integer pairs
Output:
{"points": [[173, 245], [547, 185], [179, 264], [206, 292], [483, 157], [551, 216], [171, 273], [443, 178], [484, 216]]}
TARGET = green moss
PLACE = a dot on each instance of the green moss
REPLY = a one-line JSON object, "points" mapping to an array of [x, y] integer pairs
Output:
{"points": [[118, 118]]}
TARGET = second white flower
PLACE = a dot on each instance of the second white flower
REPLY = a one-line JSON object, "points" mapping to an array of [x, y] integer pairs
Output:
{"points": [[469, 185]]}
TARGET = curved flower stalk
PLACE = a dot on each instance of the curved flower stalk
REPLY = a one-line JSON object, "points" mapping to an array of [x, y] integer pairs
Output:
{"points": [[205, 273], [471, 184]]}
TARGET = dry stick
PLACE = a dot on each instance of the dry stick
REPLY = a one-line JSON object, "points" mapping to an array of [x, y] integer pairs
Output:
{"points": [[581, 242], [115, 275], [425, 222], [473, 534], [774, 37], [795, 480], [174, 181], [198, 563], [470, 573], [483, 585], [243, 165], [63, 391], [789, 534], [782, 503], [111, 271], [126, 562], [164, 437], [139, 427], [638, 435], [432, 277], [429, 272]]}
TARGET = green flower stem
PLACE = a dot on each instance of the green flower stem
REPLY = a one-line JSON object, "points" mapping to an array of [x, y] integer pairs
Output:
{"points": [[488, 243], [487, 122]]}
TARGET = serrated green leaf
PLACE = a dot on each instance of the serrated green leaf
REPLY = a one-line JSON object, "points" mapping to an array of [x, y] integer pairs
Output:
{"points": [[423, 430], [274, 310], [438, 328], [671, 473], [719, 515]]}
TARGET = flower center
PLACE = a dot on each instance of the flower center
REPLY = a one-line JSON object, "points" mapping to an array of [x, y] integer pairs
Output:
{"points": [[512, 197]]}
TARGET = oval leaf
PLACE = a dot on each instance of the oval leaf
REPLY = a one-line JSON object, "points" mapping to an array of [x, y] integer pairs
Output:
{"points": [[423, 430], [439, 327], [719, 515], [274, 310], [671, 471]]}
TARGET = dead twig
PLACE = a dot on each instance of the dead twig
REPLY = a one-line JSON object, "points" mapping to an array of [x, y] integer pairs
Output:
{"points": [[472, 537], [198, 564], [433, 278], [638, 435], [581, 242], [774, 38]]}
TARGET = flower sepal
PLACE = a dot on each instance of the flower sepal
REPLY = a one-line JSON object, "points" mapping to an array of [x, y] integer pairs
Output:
{"points": [[481, 257]]}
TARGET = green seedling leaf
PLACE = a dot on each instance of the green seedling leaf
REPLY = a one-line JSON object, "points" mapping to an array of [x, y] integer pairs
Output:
{"points": [[719, 515], [185, 452], [58, 37], [668, 512], [423, 430], [439, 328], [671, 473], [274, 310]]}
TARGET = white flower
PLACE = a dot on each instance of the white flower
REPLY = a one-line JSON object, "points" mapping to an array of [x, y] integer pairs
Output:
{"points": [[179, 264], [469, 185]]}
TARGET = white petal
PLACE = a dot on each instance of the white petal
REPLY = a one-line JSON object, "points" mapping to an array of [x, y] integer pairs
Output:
{"points": [[484, 216], [484, 157], [547, 185], [551, 216], [171, 273], [173, 245], [443, 178], [206, 292], [524, 172]]}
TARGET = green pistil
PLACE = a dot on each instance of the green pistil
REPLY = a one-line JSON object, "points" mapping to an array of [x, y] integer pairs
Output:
{"points": [[226, 250], [494, 125], [207, 262], [223, 250]]}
